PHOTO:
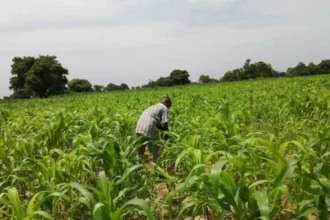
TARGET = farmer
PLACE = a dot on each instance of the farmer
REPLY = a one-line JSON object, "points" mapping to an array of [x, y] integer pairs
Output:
{"points": [[152, 120]]}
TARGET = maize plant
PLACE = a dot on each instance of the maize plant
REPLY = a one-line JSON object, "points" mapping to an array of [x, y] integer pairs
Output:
{"points": [[242, 150]]}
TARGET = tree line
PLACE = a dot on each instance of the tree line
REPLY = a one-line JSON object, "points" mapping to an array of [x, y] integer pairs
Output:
{"points": [[44, 76], [264, 70], [83, 85]]}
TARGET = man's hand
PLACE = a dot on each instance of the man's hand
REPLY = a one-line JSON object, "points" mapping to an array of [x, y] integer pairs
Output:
{"points": [[164, 126]]}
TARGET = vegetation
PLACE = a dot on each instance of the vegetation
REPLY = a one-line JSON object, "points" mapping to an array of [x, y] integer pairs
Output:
{"points": [[114, 87], [98, 88], [79, 85], [42, 76], [263, 70], [302, 70], [243, 150], [177, 77], [206, 79]]}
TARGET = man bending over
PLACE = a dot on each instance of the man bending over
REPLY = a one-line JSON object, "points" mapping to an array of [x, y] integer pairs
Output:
{"points": [[153, 120]]}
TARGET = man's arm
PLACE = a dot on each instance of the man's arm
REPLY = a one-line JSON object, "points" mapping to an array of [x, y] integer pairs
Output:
{"points": [[164, 120], [164, 126]]}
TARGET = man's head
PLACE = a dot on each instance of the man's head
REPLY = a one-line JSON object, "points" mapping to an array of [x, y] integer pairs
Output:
{"points": [[166, 101]]}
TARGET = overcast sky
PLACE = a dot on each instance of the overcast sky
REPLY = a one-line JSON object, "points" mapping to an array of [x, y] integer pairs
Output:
{"points": [[132, 41]]}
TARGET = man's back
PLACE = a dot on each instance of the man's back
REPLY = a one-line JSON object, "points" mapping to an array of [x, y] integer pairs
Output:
{"points": [[151, 120]]}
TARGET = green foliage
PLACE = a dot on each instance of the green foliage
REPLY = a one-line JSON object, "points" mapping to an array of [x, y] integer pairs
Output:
{"points": [[20, 94], [114, 87], [177, 77], [42, 76], [19, 69], [250, 71], [243, 150], [98, 88], [79, 85], [261, 69], [300, 70], [206, 79], [323, 67], [313, 69]]}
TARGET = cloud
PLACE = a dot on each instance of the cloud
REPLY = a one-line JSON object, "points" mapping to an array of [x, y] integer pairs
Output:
{"points": [[26, 16], [133, 41], [125, 36]]}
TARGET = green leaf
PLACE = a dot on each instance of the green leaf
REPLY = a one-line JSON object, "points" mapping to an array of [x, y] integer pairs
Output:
{"points": [[15, 203], [215, 171], [186, 206], [90, 200], [263, 204], [43, 214], [30, 207], [180, 156], [323, 169], [259, 182], [287, 171], [96, 208], [131, 204], [244, 194], [128, 172], [306, 207], [239, 165]]}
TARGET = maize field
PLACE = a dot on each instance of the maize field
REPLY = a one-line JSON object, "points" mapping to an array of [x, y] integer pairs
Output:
{"points": [[244, 150]]}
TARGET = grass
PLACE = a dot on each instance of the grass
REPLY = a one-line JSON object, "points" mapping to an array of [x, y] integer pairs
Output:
{"points": [[244, 150]]}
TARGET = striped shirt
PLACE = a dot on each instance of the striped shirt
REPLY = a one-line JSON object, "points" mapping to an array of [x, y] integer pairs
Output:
{"points": [[151, 119]]}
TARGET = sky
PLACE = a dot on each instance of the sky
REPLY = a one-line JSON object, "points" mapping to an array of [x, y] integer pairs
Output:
{"points": [[134, 41]]}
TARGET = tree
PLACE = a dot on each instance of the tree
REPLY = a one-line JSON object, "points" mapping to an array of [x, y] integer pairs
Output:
{"points": [[114, 87], [229, 76], [111, 87], [264, 70], [151, 84], [19, 69], [98, 88], [179, 77], [248, 71], [79, 85], [251, 71], [20, 94], [313, 69], [42, 76], [289, 72], [206, 79], [300, 70], [324, 67], [280, 74], [164, 81], [123, 86]]}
